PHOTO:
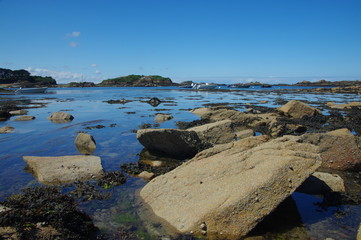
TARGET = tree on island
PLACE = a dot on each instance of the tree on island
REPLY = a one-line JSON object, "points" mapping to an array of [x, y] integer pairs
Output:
{"points": [[23, 78]]}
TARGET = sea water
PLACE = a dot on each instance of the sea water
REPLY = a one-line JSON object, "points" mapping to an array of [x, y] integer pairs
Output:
{"points": [[117, 143]]}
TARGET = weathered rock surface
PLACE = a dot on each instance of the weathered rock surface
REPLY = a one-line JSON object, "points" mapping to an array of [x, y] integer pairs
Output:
{"points": [[85, 143], [216, 133], [24, 118], [230, 192], [245, 133], [19, 112], [60, 117], [321, 182], [341, 132], [268, 120], [146, 175], [358, 237], [161, 117], [344, 105], [298, 109], [6, 129], [173, 142], [64, 169], [339, 152]]}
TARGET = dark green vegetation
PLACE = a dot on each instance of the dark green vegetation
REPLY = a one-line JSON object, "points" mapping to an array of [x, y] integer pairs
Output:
{"points": [[138, 81], [23, 78]]}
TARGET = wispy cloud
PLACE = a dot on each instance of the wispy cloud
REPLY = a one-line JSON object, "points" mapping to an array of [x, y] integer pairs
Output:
{"points": [[60, 77], [97, 72], [73, 44], [72, 35], [93, 65], [65, 77]]}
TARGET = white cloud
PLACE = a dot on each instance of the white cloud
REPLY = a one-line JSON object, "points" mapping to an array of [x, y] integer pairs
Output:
{"points": [[64, 77], [93, 65], [73, 35], [97, 72], [60, 77], [73, 44]]}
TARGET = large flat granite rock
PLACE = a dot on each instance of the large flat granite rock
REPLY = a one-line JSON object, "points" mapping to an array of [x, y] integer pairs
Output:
{"points": [[226, 194], [64, 169]]}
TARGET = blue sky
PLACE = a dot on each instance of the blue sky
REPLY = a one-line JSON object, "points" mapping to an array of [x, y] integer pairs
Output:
{"points": [[225, 41]]}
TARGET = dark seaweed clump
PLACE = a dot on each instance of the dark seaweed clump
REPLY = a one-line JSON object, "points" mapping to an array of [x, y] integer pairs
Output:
{"points": [[110, 179], [138, 167], [48, 206]]}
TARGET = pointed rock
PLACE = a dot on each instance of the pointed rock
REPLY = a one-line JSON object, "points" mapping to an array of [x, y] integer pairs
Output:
{"points": [[298, 109]]}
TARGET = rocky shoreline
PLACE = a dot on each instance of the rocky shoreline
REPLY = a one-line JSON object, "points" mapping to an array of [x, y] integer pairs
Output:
{"points": [[217, 177]]}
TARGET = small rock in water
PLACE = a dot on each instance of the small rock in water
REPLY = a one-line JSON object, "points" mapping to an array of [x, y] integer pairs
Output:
{"points": [[24, 118], [6, 129], [60, 117], [85, 143]]}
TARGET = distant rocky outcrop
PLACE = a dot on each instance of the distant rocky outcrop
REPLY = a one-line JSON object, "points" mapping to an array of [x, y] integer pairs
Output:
{"points": [[328, 83], [138, 81], [23, 78], [81, 84]]}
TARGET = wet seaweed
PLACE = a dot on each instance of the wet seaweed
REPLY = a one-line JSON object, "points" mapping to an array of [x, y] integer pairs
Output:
{"points": [[46, 205]]}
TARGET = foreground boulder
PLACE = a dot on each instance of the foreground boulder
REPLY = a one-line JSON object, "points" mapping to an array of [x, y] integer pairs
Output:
{"points": [[298, 109], [228, 193], [338, 151], [64, 169], [85, 143], [215, 133], [60, 117], [180, 144]]}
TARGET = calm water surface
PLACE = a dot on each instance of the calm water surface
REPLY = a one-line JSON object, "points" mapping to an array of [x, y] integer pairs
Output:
{"points": [[117, 144]]}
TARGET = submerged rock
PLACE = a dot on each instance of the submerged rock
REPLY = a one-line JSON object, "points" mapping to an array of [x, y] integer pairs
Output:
{"points": [[161, 117], [24, 118], [60, 117], [231, 191], [85, 143], [298, 109], [6, 129], [19, 112], [154, 102], [64, 169]]}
